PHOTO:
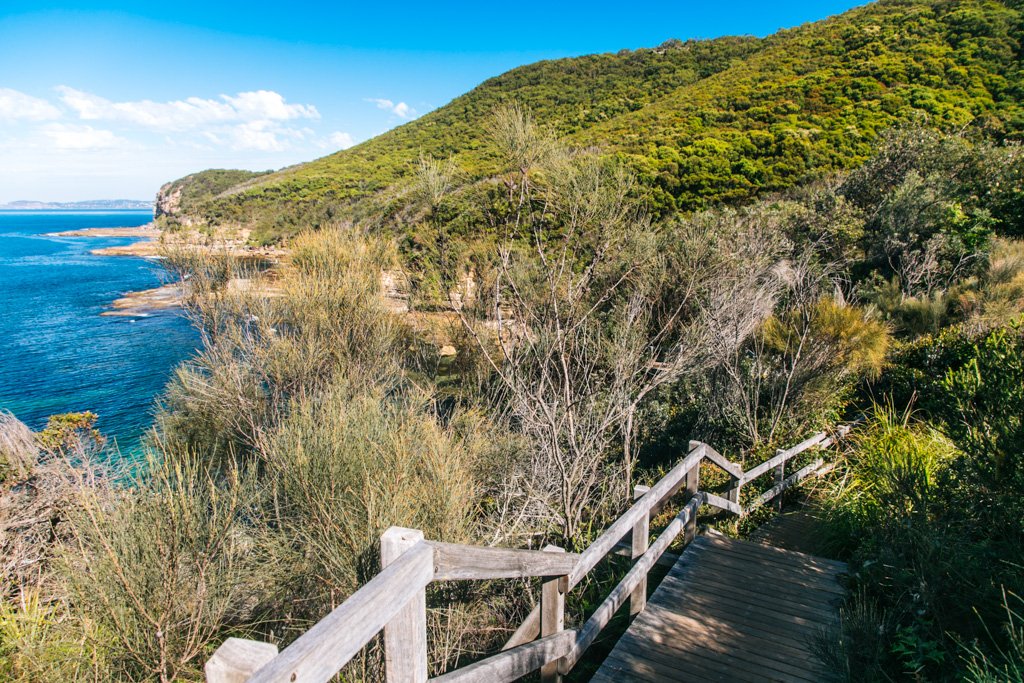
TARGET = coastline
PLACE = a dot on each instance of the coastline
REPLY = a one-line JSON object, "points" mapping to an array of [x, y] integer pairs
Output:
{"points": [[147, 231], [145, 302], [148, 245], [133, 304], [151, 241]]}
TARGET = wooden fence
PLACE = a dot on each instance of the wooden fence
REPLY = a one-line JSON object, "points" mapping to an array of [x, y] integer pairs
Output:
{"points": [[394, 601]]}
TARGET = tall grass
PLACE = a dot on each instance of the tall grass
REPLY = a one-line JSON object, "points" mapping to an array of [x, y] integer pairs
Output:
{"points": [[927, 552], [164, 566], [888, 477], [1006, 664], [282, 337], [18, 447], [363, 456]]}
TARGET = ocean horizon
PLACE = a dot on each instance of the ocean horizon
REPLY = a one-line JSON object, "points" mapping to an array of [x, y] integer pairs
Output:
{"points": [[57, 353]]}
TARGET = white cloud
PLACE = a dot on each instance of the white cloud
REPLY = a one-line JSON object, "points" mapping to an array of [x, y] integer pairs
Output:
{"points": [[15, 105], [341, 140], [188, 114], [401, 110], [64, 137], [267, 104], [256, 135]]}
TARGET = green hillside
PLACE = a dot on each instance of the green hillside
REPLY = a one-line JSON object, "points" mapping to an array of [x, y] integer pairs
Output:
{"points": [[702, 121]]}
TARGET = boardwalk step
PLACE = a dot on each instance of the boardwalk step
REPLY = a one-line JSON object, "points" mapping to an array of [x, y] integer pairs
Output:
{"points": [[731, 610]]}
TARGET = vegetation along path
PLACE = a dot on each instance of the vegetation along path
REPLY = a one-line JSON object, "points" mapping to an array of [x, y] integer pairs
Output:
{"points": [[731, 611]]}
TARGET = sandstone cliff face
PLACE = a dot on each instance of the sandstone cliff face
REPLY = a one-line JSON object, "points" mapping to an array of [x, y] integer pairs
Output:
{"points": [[168, 201]]}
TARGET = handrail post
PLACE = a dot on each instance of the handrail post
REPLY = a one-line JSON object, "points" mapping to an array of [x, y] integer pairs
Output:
{"points": [[552, 616], [692, 486], [780, 476], [640, 539], [732, 494], [405, 636]]}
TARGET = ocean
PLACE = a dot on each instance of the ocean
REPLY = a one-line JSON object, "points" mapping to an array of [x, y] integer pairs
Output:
{"points": [[57, 354]]}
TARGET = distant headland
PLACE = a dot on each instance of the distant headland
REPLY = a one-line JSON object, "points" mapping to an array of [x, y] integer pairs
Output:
{"points": [[87, 205]]}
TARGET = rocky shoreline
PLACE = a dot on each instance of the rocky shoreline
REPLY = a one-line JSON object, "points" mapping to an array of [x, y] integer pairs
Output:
{"points": [[133, 304], [143, 303], [146, 231], [148, 245], [151, 241]]}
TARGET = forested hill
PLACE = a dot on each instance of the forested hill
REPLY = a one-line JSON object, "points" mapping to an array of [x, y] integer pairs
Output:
{"points": [[701, 121]]}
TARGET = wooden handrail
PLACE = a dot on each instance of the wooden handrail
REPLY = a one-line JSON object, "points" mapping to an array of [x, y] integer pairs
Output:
{"points": [[321, 652], [453, 561], [607, 609], [515, 663], [604, 543], [394, 600]]}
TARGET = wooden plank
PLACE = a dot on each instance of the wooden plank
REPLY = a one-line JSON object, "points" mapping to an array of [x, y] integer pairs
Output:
{"points": [[780, 479], [785, 617], [735, 653], [683, 665], [728, 584], [692, 485], [783, 484], [769, 585], [634, 664], [734, 608], [790, 531], [790, 580], [823, 572], [733, 468], [455, 562], [692, 585], [627, 667], [782, 456], [319, 653], [762, 642], [753, 555], [787, 627], [719, 616], [513, 664], [527, 631], [723, 503], [688, 666], [623, 525], [789, 622], [606, 610], [552, 618], [735, 545], [639, 544], [237, 659], [767, 552], [702, 592], [405, 635]]}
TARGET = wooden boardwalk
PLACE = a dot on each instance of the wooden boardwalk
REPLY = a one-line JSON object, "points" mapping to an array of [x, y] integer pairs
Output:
{"points": [[731, 611], [728, 610], [796, 529]]}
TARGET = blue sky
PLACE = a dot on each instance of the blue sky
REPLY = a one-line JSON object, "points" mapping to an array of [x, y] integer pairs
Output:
{"points": [[110, 99]]}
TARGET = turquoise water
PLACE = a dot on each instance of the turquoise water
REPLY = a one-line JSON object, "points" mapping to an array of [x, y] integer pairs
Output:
{"points": [[57, 354]]}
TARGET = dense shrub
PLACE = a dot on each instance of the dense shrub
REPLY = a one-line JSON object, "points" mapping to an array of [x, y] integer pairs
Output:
{"points": [[933, 524]]}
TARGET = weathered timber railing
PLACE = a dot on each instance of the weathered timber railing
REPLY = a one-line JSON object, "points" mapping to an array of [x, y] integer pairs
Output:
{"points": [[394, 601]]}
